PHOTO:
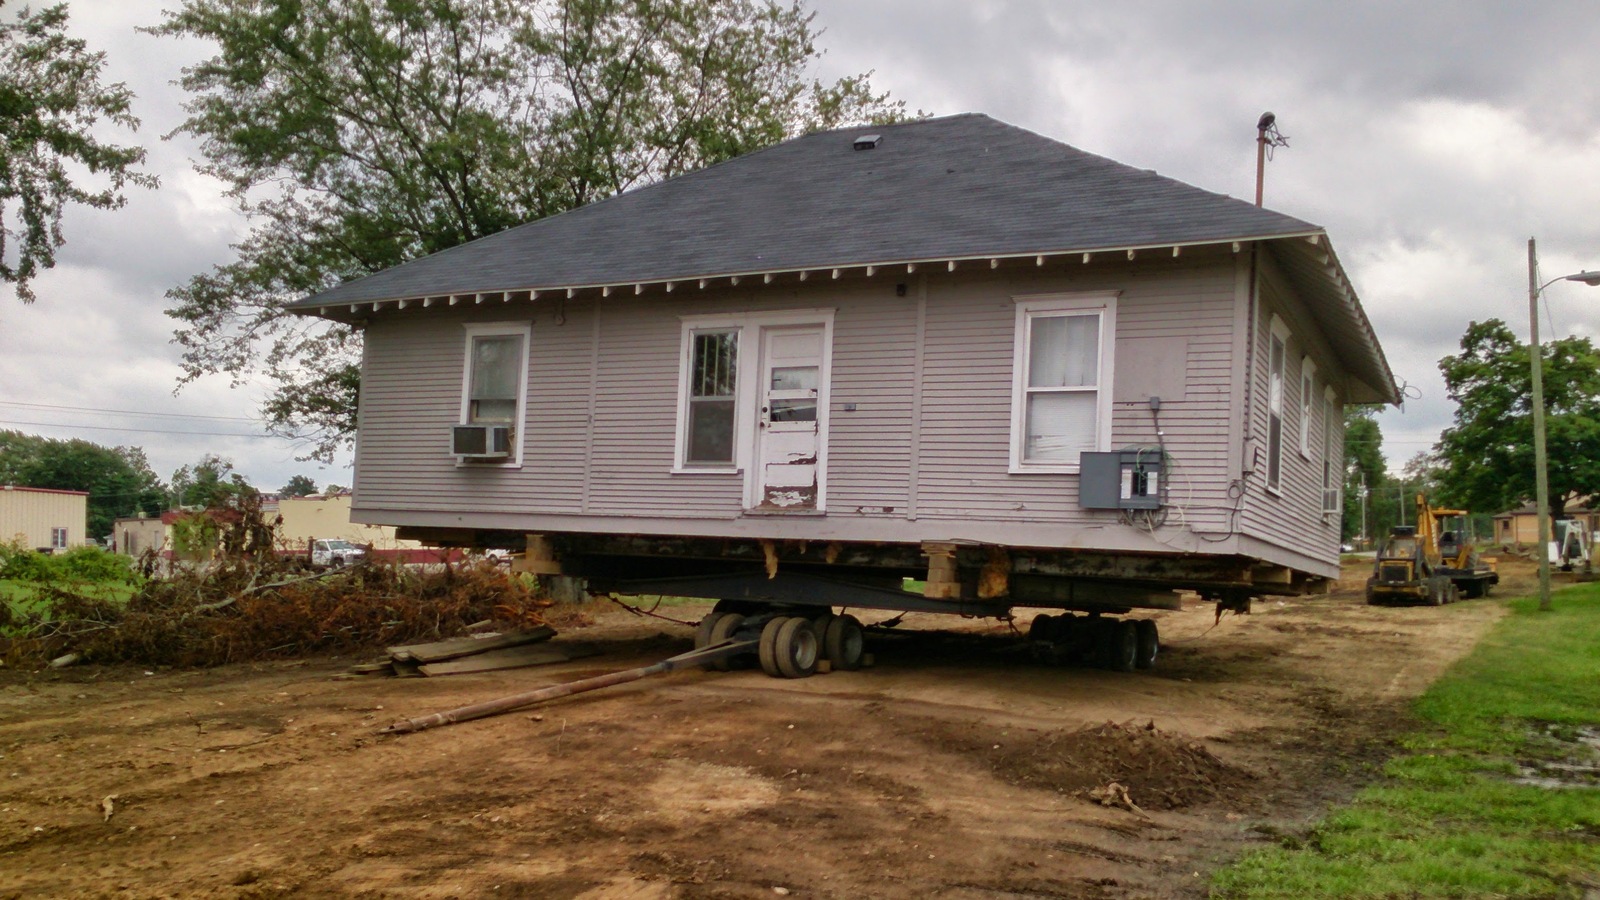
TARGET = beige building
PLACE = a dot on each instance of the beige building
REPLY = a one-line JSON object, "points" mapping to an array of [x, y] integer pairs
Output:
{"points": [[1521, 525], [134, 535], [44, 519], [305, 519]]}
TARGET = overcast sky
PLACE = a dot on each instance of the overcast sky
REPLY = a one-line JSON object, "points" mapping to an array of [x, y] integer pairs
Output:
{"points": [[1430, 139]]}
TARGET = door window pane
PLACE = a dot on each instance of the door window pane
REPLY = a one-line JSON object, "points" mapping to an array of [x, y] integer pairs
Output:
{"points": [[794, 378], [793, 411]]}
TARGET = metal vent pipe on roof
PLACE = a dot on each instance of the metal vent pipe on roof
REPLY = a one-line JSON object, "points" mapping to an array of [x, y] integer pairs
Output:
{"points": [[867, 141]]}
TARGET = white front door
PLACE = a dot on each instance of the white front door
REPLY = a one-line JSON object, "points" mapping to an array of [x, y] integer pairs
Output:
{"points": [[791, 418]]}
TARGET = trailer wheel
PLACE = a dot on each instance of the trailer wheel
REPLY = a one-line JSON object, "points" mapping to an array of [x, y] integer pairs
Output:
{"points": [[1067, 631], [1122, 648], [1149, 642], [1042, 628], [702, 634], [725, 626], [820, 624], [795, 648], [845, 644], [766, 647]]}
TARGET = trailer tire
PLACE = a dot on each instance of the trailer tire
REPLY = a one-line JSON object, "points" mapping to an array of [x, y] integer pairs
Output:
{"points": [[1122, 649], [845, 644], [795, 648], [702, 634], [1042, 628], [1097, 640], [820, 624], [1149, 643], [766, 647], [725, 626], [1067, 631]]}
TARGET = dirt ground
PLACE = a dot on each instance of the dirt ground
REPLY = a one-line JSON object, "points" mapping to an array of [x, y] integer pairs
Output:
{"points": [[954, 767]]}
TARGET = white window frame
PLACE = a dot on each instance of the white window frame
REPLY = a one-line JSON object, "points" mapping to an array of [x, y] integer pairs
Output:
{"points": [[58, 538], [472, 332], [747, 327], [1030, 307], [1332, 475], [1308, 403], [1279, 332]]}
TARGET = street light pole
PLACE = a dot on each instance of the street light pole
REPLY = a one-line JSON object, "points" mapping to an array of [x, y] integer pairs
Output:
{"points": [[1541, 475], [1541, 472]]}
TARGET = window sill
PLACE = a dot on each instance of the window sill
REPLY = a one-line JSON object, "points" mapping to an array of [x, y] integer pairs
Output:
{"points": [[776, 511], [512, 464], [690, 470], [1019, 469]]}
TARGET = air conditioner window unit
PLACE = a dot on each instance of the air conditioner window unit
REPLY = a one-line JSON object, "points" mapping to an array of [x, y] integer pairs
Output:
{"points": [[481, 441]]}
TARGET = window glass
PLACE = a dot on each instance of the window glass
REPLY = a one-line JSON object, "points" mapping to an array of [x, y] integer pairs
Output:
{"points": [[496, 377], [1064, 351], [1275, 414], [1061, 418], [713, 379], [1060, 425], [794, 378], [793, 411]]}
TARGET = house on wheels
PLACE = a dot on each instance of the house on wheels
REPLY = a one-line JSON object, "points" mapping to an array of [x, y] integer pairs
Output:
{"points": [[951, 350]]}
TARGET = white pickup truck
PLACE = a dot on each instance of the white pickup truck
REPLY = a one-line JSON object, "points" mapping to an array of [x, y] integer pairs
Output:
{"points": [[334, 553]]}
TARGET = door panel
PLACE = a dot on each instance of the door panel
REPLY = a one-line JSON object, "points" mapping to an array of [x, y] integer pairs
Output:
{"points": [[789, 436]]}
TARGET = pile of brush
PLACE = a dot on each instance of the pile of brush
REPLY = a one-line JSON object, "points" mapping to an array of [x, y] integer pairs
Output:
{"points": [[262, 605]]}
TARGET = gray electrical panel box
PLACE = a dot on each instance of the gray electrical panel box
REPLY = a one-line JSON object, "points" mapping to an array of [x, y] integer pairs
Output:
{"points": [[1122, 479]]}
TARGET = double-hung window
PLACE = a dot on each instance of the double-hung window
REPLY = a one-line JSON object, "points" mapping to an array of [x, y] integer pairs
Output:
{"points": [[58, 539], [1332, 472], [495, 381], [1061, 392], [711, 400], [1278, 352], [1308, 374]]}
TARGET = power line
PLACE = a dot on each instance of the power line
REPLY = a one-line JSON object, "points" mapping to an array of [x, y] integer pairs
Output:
{"points": [[139, 430], [125, 412]]}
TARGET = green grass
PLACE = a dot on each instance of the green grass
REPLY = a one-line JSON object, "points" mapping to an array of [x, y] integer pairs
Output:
{"points": [[24, 597], [1445, 821]]}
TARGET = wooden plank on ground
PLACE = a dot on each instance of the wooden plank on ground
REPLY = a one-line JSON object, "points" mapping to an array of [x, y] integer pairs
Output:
{"points": [[511, 658], [439, 651]]}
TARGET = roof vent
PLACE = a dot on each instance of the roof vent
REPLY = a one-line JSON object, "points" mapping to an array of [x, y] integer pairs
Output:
{"points": [[867, 141]]}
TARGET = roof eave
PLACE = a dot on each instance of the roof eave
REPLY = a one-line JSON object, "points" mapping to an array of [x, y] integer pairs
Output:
{"points": [[327, 304]]}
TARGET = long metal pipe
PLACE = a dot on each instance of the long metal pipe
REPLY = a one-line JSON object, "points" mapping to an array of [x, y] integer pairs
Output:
{"points": [[529, 698]]}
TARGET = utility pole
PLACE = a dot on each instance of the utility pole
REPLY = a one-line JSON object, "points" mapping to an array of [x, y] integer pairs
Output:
{"points": [[1364, 527], [1541, 474]]}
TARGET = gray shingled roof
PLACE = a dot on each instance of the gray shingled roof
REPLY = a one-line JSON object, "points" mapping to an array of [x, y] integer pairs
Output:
{"points": [[957, 187], [960, 186]]}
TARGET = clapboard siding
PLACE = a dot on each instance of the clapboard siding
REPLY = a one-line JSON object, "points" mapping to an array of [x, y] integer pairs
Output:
{"points": [[1291, 517], [967, 387], [598, 440]]}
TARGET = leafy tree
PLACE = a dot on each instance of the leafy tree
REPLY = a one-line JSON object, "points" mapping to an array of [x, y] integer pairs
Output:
{"points": [[210, 483], [1363, 469], [359, 134], [52, 106], [298, 486], [1488, 452], [119, 479]]}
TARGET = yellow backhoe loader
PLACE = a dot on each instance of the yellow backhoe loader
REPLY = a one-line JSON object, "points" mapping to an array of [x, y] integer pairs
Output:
{"points": [[1432, 562]]}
